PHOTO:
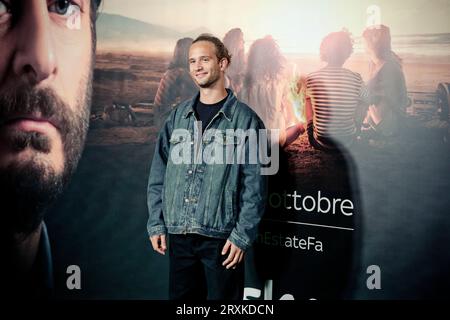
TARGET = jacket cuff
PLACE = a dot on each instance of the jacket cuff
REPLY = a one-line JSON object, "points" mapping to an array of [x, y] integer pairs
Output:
{"points": [[156, 230], [239, 241]]}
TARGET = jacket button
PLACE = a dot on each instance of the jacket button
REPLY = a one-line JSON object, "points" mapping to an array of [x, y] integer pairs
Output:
{"points": [[190, 171], [186, 200]]}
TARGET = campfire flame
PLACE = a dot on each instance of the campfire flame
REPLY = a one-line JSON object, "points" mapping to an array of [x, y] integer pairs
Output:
{"points": [[297, 95]]}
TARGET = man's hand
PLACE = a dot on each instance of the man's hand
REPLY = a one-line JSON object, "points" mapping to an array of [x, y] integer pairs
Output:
{"points": [[236, 255], [159, 243]]}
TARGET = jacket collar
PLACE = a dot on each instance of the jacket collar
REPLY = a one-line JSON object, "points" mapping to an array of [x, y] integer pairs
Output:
{"points": [[227, 110]]}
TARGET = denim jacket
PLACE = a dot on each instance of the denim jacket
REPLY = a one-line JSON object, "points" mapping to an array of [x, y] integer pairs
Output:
{"points": [[222, 200]]}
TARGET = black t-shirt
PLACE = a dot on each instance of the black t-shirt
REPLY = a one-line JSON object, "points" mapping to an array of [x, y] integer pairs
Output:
{"points": [[205, 112]]}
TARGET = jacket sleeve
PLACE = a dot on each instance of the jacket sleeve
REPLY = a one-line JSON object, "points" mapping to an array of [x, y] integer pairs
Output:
{"points": [[155, 187], [252, 198]]}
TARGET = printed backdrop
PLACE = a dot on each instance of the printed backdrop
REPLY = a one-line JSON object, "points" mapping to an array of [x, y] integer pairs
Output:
{"points": [[368, 223]]}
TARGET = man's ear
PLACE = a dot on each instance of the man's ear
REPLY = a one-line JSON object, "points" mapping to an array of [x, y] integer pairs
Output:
{"points": [[223, 64]]}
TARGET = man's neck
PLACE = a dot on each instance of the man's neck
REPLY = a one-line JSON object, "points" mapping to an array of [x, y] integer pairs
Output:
{"points": [[212, 95], [24, 250]]}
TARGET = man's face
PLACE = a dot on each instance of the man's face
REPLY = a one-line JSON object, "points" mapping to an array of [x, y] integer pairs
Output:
{"points": [[45, 89], [204, 66]]}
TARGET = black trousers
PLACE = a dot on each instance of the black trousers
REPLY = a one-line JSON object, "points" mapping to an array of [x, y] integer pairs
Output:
{"points": [[196, 271]]}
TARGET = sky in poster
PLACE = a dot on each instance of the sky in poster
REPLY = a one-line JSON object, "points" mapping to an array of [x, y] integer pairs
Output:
{"points": [[298, 25]]}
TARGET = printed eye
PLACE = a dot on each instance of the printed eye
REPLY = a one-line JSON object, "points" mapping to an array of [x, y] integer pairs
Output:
{"points": [[3, 8], [63, 7], [4, 11]]}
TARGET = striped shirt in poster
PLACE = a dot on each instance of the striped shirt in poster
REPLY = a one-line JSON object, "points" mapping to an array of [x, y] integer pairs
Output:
{"points": [[335, 95]]}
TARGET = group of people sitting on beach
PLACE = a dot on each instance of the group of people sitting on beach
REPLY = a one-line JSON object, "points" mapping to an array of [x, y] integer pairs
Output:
{"points": [[339, 108]]}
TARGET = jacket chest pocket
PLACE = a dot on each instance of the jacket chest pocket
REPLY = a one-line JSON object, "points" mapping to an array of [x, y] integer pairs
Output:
{"points": [[179, 137], [220, 149], [180, 151]]}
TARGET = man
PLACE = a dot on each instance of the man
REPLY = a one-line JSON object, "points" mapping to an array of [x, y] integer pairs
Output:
{"points": [[211, 210], [45, 92]]}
